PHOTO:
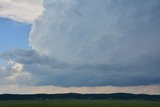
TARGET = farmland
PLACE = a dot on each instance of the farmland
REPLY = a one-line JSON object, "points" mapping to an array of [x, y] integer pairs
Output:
{"points": [[79, 103]]}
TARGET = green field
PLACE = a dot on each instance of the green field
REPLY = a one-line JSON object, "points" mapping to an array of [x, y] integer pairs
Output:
{"points": [[79, 103]]}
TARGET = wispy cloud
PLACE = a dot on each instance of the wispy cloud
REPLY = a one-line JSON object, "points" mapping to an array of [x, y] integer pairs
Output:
{"points": [[25, 11]]}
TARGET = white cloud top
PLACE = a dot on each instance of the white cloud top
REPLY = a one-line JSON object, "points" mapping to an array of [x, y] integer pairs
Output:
{"points": [[25, 11], [97, 31]]}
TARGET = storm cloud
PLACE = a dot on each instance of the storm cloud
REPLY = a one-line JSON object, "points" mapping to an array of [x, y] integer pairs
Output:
{"points": [[98, 32], [93, 43], [104, 42], [44, 71]]}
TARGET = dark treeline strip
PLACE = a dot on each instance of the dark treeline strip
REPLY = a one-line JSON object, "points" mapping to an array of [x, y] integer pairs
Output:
{"points": [[115, 96]]}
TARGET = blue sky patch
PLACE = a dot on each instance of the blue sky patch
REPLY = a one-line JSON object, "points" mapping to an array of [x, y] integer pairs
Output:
{"points": [[13, 34]]}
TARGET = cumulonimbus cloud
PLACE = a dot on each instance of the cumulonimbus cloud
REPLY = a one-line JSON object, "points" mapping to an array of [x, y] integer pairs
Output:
{"points": [[104, 31], [106, 42]]}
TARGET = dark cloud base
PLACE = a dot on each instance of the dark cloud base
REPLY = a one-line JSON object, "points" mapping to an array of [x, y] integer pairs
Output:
{"points": [[47, 71]]}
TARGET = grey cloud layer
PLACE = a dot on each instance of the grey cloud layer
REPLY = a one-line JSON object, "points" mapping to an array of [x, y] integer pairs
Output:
{"points": [[46, 70]]}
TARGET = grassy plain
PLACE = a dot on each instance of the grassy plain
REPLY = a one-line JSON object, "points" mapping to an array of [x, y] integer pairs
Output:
{"points": [[80, 103]]}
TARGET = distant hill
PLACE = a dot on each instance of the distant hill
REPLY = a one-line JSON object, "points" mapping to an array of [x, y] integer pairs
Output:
{"points": [[115, 96]]}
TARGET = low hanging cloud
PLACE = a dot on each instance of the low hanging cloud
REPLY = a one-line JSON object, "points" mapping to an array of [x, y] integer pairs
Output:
{"points": [[13, 73], [25, 11], [46, 71], [38, 74]]}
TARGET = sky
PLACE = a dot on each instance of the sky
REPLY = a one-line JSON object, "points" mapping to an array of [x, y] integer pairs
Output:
{"points": [[87, 46], [13, 34]]}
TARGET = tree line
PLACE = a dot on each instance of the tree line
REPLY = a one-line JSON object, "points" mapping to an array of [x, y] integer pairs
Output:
{"points": [[115, 96]]}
